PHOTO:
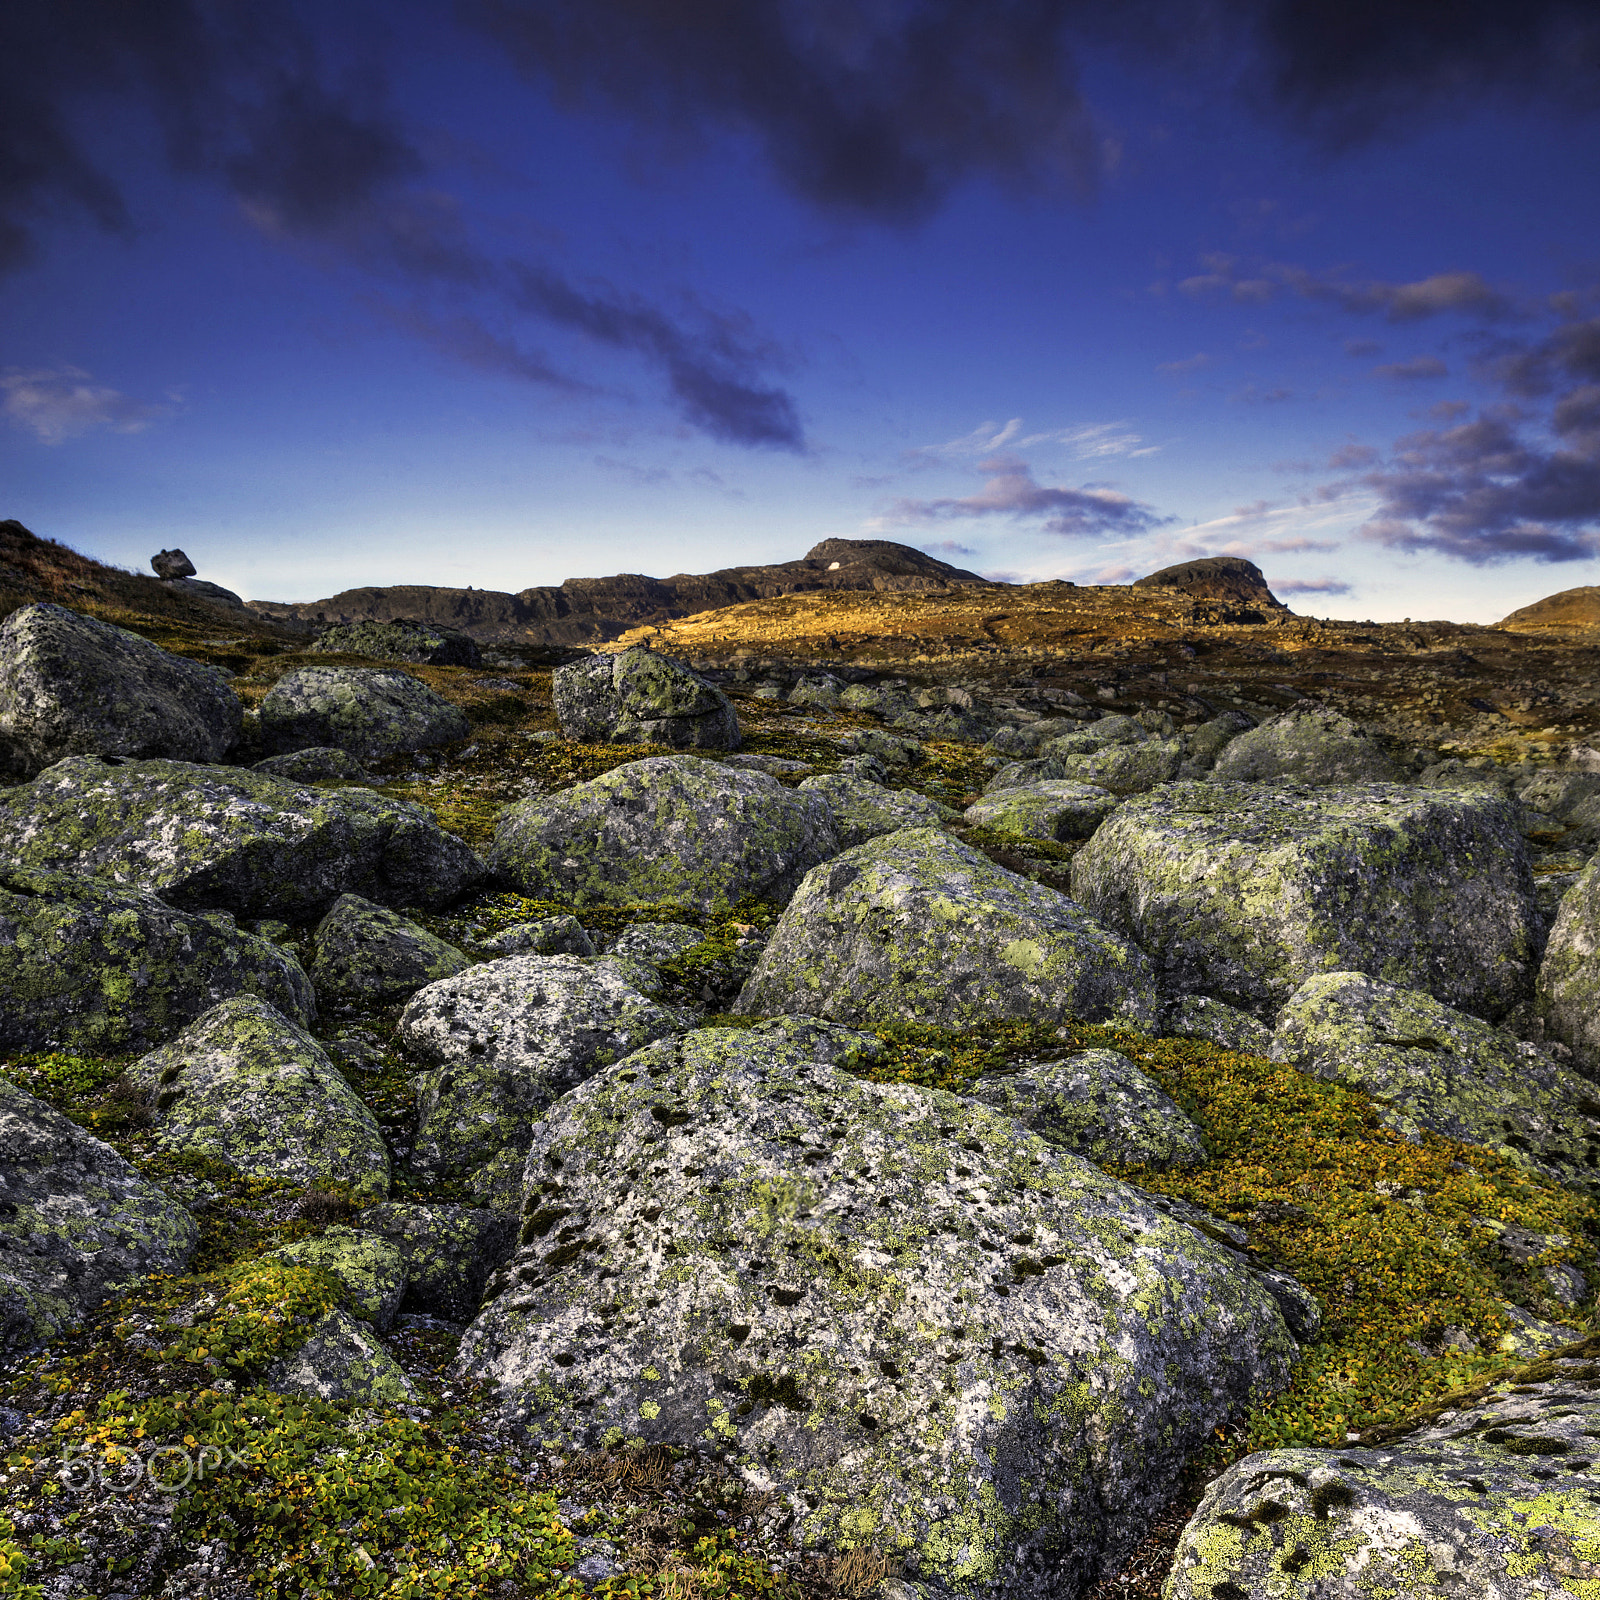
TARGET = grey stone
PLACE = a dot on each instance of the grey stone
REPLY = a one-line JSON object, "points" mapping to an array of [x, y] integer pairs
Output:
{"points": [[367, 955], [169, 564], [1306, 744], [223, 838], [71, 685], [1123, 769], [342, 1360], [423, 643], [1055, 809], [928, 1331], [915, 926], [889, 748], [1198, 1016], [1207, 742], [863, 810], [639, 697], [371, 712], [1567, 998], [200, 589], [668, 829], [320, 761], [449, 1253], [868, 768], [656, 942], [77, 1224], [1243, 891], [546, 936], [370, 1268]]}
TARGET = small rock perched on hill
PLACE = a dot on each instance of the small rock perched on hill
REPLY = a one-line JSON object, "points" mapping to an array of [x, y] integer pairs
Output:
{"points": [[247, 1087], [1056, 809], [909, 1318], [98, 969], [1568, 996], [1308, 744], [665, 829], [170, 564], [424, 643], [371, 712], [916, 926], [70, 685], [367, 955], [77, 1223], [638, 697], [863, 810], [1243, 892]]}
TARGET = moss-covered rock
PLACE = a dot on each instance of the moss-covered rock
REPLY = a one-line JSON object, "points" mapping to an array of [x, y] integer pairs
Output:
{"points": [[1203, 745], [342, 1360], [371, 712], [1198, 1016], [863, 810], [937, 1336], [219, 838], [655, 942], [1098, 1105], [1428, 1066], [319, 762], [1567, 997], [1122, 769], [246, 1087], [71, 685], [449, 1252], [1056, 809], [1307, 744], [505, 1039], [98, 969], [546, 936], [1242, 892], [916, 926], [665, 829], [424, 643], [77, 1223], [370, 1268], [639, 697], [367, 955]]}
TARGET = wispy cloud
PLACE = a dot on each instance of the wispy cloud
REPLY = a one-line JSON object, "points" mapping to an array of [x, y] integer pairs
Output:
{"points": [[949, 547], [1418, 369], [1182, 369], [1309, 586], [1087, 443], [60, 403], [1468, 293]]}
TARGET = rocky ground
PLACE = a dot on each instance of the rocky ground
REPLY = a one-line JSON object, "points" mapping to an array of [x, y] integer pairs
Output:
{"points": [[988, 1093]]}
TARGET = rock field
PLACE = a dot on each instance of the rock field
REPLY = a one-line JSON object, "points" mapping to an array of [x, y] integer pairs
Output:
{"points": [[791, 1126]]}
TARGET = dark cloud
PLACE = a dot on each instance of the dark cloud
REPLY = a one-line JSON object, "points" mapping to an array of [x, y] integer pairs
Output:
{"points": [[1351, 456], [1571, 352], [1417, 370]]}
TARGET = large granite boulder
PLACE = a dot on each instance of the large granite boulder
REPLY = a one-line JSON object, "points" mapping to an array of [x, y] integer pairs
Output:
{"points": [[422, 643], [1567, 998], [371, 712], [503, 1040], [77, 1223], [70, 685], [1307, 744], [97, 969], [930, 1332], [245, 1086], [1056, 809], [917, 926], [639, 697], [1428, 1066], [1120, 769], [222, 838], [367, 955], [668, 828], [863, 810], [1242, 892]]}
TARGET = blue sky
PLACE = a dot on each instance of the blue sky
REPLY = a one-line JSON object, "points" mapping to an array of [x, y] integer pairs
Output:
{"points": [[520, 290]]}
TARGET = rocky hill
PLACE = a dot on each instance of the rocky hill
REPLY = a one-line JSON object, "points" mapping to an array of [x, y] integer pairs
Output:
{"points": [[1571, 612]]}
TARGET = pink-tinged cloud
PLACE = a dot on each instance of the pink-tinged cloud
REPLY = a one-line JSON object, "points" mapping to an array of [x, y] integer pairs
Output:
{"points": [[1467, 293], [1310, 586]]}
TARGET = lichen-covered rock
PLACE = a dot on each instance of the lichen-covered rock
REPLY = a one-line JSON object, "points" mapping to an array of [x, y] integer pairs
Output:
{"points": [[371, 712], [1428, 1066], [1202, 746], [656, 942], [1100, 1106], [367, 955], [1567, 997], [220, 838], [245, 1086], [77, 1223], [863, 810], [1083, 739], [1307, 744], [916, 926], [504, 1039], [639, 697], [1243, 892], [1122, 769], [890, 749], [665, 829], [401, 640], [320, 761], [342, 1360], [1055, 809], [448, 1252], [71, 685], [96, 969], [1494, 1501], [936, 1335], [370, 1268], [547, 936], [1198, 1016]]}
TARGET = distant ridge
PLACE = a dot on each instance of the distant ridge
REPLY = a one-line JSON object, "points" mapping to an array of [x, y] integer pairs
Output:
{"points": [[1230, 579], [1569, 612]]}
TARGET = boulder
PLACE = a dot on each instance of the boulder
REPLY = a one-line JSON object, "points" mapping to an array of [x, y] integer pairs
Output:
{"points": [[342, 1360], [1306, 744], [369, 956], [1198, 1016], [1098, 1105], [1493, 1499], [448, 1252], [371, 712], [170, 564], [77, 1224], [1428, 1066], [504, 1039], [423, 643], [656, 942], [220, 838], [547, 936], [1242, 892], [321, 761], [665, 829], [931, 1333], [370, 1268], [1567, 998], [638, 697], [200, 589], [247, 1087], [863, 810], [1055, 809], [95, 969], [1121, 769], [1209, 740], [70, 685], [916, 926]]}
